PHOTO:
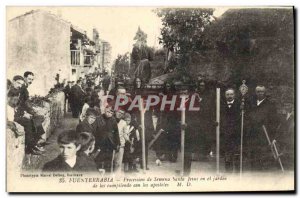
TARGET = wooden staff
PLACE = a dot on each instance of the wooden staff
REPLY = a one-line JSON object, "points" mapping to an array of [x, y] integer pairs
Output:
{"points": [[142, 111], [218, 131], [242, 136], [155, 138], [182, 140], [273, 148], [66, 106], [112, 162], [243, 90]]}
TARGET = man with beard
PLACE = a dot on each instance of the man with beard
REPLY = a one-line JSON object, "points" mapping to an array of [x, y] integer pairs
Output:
{"points": [[230, 130]]}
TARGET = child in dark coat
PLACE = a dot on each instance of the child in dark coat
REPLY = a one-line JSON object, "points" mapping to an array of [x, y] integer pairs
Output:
{"points": [[70, 160]]}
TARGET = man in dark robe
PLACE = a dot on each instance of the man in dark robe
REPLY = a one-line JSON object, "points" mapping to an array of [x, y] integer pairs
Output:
{"points": [[77, 96], [262, 112], [230, 130], [205, 117], [67, 90], [285, 137]]}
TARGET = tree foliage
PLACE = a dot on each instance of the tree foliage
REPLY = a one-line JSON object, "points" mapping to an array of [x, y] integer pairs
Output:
{"points": [[259, 44], [140, 38], [183, 31], [122, 64], [252, 44]]}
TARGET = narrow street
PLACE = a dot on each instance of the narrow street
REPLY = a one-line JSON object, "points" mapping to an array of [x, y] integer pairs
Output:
{"points": [[166, 168]]}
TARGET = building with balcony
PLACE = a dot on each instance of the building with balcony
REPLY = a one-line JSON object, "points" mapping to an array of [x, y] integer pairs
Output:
{"points": [[47, 45]]}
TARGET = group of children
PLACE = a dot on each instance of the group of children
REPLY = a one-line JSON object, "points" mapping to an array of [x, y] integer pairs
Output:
{"points": [[84, 150]]}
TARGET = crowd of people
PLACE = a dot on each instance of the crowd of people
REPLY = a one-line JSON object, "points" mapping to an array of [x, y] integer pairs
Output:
{"points": [[110, 139]]}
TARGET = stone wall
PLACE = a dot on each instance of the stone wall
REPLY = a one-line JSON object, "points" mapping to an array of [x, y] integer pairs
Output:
{"points": [[53, 112]]}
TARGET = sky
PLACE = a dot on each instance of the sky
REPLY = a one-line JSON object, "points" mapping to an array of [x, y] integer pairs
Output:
{"points": [[117, 25]]}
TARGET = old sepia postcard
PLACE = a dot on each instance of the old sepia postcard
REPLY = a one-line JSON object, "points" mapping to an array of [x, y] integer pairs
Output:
{"points": [[150, 99]]}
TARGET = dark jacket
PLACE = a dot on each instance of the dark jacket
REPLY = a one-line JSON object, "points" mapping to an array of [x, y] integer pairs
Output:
{"points": [[67, 90], [77, 95], [230, 118], [107, 137], [263, 114], [84, 126], [83, 164], [24, 94], [206, 116], [24, 101], [285, 133], [230, 127]]}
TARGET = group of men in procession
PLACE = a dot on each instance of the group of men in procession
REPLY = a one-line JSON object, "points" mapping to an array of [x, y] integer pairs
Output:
{"points": [[109, 135]]}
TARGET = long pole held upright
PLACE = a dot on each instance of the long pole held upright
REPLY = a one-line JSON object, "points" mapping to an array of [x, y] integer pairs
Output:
{"points": [[218, 131], [242, 136], [182, 141], [243, 90], [142, 111]]}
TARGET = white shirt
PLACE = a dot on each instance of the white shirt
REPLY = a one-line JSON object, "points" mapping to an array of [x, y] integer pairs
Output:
{"points": [[83, 111], [230, 103], [260, 101], [71, 162], [122, 126]]}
